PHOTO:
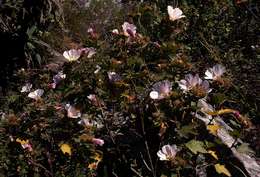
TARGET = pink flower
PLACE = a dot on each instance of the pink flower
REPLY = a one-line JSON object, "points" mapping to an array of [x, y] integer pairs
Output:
{"points": [[161, 90], [72, 55], [174, 14], [168, 152], [27, 146], [89, 51], [129, 29], [98, 141], [195, 85], [215, 72]]}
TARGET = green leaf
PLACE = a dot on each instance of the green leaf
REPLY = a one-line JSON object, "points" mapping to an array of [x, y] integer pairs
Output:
{"points": [[186, 130], [30, 31], [196, 146], [38, 58], [218, 98]]}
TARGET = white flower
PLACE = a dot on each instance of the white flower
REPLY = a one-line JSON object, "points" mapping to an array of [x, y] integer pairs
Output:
{"points": [[115, 31], [72, 55], [174, 14], [26, 88], [72, 112], [154, 95], [36, 94], [194, 84], [129, 29], [168, 152], [161, 89], [215, 72]]}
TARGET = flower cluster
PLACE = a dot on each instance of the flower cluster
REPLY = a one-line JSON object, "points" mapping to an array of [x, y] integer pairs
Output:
{"points": [[195, 85]]}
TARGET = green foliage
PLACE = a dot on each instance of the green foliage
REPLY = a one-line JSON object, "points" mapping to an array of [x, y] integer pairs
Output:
{"points": [[196, 146]]}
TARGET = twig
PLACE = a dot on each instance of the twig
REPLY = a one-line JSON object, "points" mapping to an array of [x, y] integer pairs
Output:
{"points": [[147, 147], [114, 174], [149, 156], [136, 172], [156, 163], [146, 163], [238, 169]]}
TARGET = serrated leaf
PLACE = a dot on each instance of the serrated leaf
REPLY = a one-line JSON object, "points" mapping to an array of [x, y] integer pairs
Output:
{"points": [[196, 146], [213, 129], [221, 169]]}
